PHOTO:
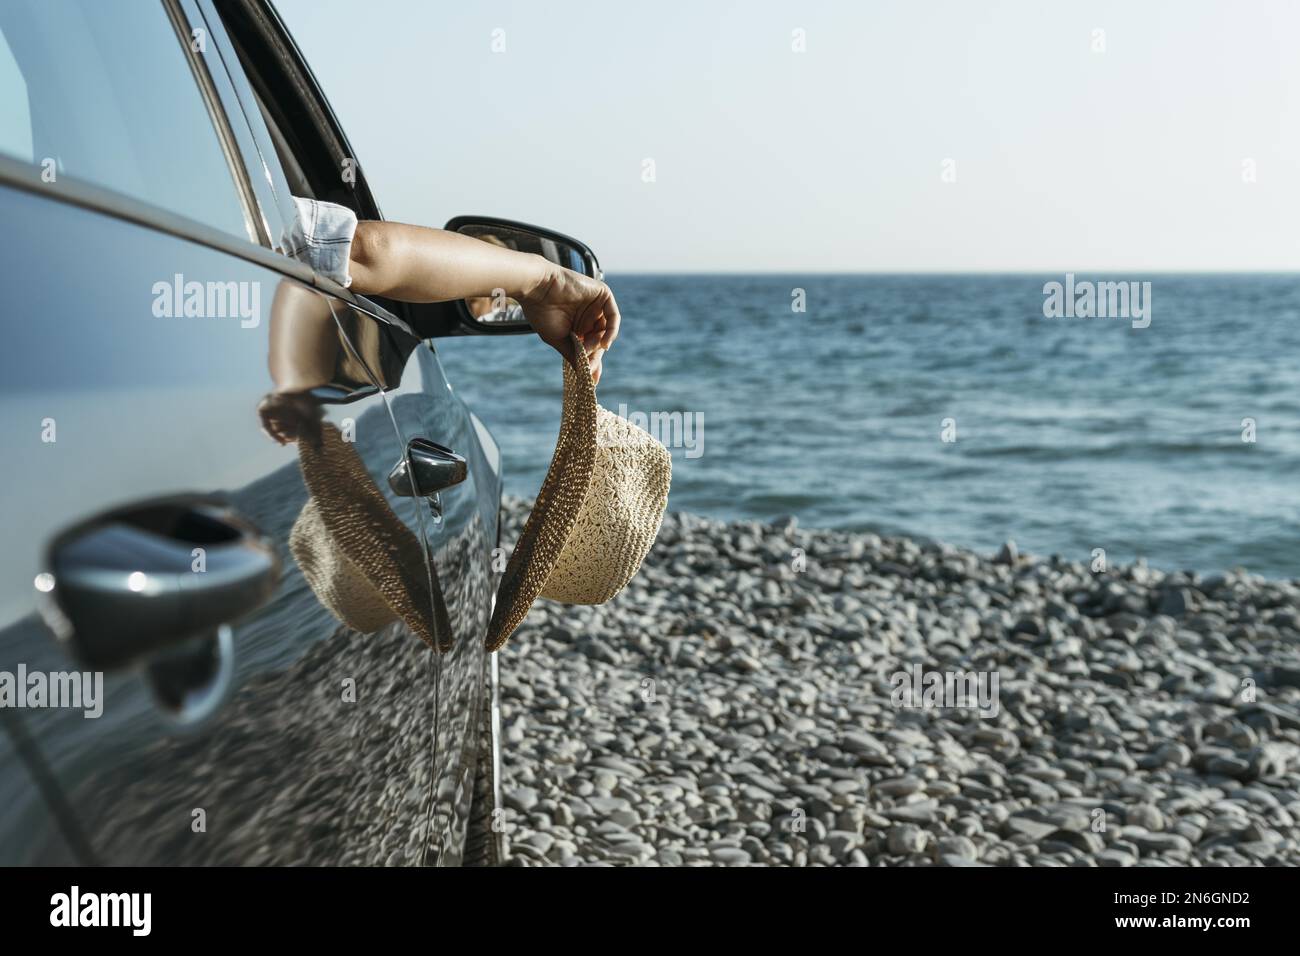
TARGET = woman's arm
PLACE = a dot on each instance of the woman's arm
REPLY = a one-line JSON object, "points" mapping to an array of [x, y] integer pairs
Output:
{"points": [[417, 264]]}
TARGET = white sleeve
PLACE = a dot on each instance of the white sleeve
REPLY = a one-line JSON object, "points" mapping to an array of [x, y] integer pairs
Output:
{"points": [[321, 236]]}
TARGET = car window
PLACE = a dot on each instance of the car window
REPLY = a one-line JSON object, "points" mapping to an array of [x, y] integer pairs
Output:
{"points": [[105, 94], [15, 114], [293, 171], [316, 161]]}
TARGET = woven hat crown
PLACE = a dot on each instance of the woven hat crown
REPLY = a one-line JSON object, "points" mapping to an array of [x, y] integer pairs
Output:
{"points": [[360, 560], [596, 515]]}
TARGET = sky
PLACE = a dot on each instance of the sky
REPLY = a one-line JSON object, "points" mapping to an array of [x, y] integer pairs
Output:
{"points": [[916, 135]]}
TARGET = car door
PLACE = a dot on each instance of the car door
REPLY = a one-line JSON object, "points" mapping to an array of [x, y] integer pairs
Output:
{"points": [[305, 152], [456, 488], [190, 691], [460, 531]]}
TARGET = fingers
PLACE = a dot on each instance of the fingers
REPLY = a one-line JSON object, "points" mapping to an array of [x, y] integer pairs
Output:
{"points": [[597, 366], [611, 320], [598, 321], [273, 425], [589, 324], [582, 306]]}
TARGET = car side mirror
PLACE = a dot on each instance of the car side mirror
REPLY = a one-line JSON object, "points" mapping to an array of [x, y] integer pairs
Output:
{"points": [[499, 314]]}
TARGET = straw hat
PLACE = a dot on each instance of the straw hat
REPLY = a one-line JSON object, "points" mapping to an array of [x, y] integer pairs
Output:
{"points": [[597, 513], [363, 563]]}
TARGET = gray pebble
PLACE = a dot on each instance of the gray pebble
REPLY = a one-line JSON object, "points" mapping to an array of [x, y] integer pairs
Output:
{"points": [[773, 736]]}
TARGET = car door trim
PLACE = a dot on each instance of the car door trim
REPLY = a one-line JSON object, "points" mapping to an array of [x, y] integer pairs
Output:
{"points": [[26, 177]]}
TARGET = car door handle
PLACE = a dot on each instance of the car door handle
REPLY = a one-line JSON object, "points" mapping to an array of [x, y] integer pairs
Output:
{"points": [[139, 580], [433, 468]]}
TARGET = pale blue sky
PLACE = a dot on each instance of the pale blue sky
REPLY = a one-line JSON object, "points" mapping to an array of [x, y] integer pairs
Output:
{"points": [[831, 159]]}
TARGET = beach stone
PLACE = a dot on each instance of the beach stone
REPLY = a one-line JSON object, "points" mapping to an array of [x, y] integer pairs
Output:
{"points": [[1031, 830], [861, 744], [1173, 754], [730, 856], [1172, 843], [899, 786], [1113, 857], [841, 843], [522, 799], [907, 838], [1146, 816], [1174, 602], [774, 738], [957, 846]]}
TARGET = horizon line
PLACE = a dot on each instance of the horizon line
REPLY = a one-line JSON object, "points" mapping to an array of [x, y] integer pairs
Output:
{"points": [[957, 273]]}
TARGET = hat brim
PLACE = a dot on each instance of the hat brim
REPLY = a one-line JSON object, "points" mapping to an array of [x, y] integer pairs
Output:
{"points": [[558, 503]]}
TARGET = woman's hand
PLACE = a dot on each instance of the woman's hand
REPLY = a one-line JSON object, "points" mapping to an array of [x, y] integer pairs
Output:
{"points": [[289, 417], [414, 264], [563, 301]]}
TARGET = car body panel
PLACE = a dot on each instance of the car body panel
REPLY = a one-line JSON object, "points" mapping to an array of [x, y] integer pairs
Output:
{"points": [[287, 737], [320, 748], [460, 531]]}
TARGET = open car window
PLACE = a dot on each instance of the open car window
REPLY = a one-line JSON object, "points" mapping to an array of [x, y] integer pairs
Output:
{"points": [[312, 153]]}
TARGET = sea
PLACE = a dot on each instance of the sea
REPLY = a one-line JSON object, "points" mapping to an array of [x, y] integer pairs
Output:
{"points": [[958, 408]]}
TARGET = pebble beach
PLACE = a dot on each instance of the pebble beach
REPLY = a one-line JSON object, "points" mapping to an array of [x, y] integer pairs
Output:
{"points": [[741, 703]]}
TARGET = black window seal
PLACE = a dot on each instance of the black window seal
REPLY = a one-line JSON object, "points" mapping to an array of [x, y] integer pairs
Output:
{"points": [[283, 60]]}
